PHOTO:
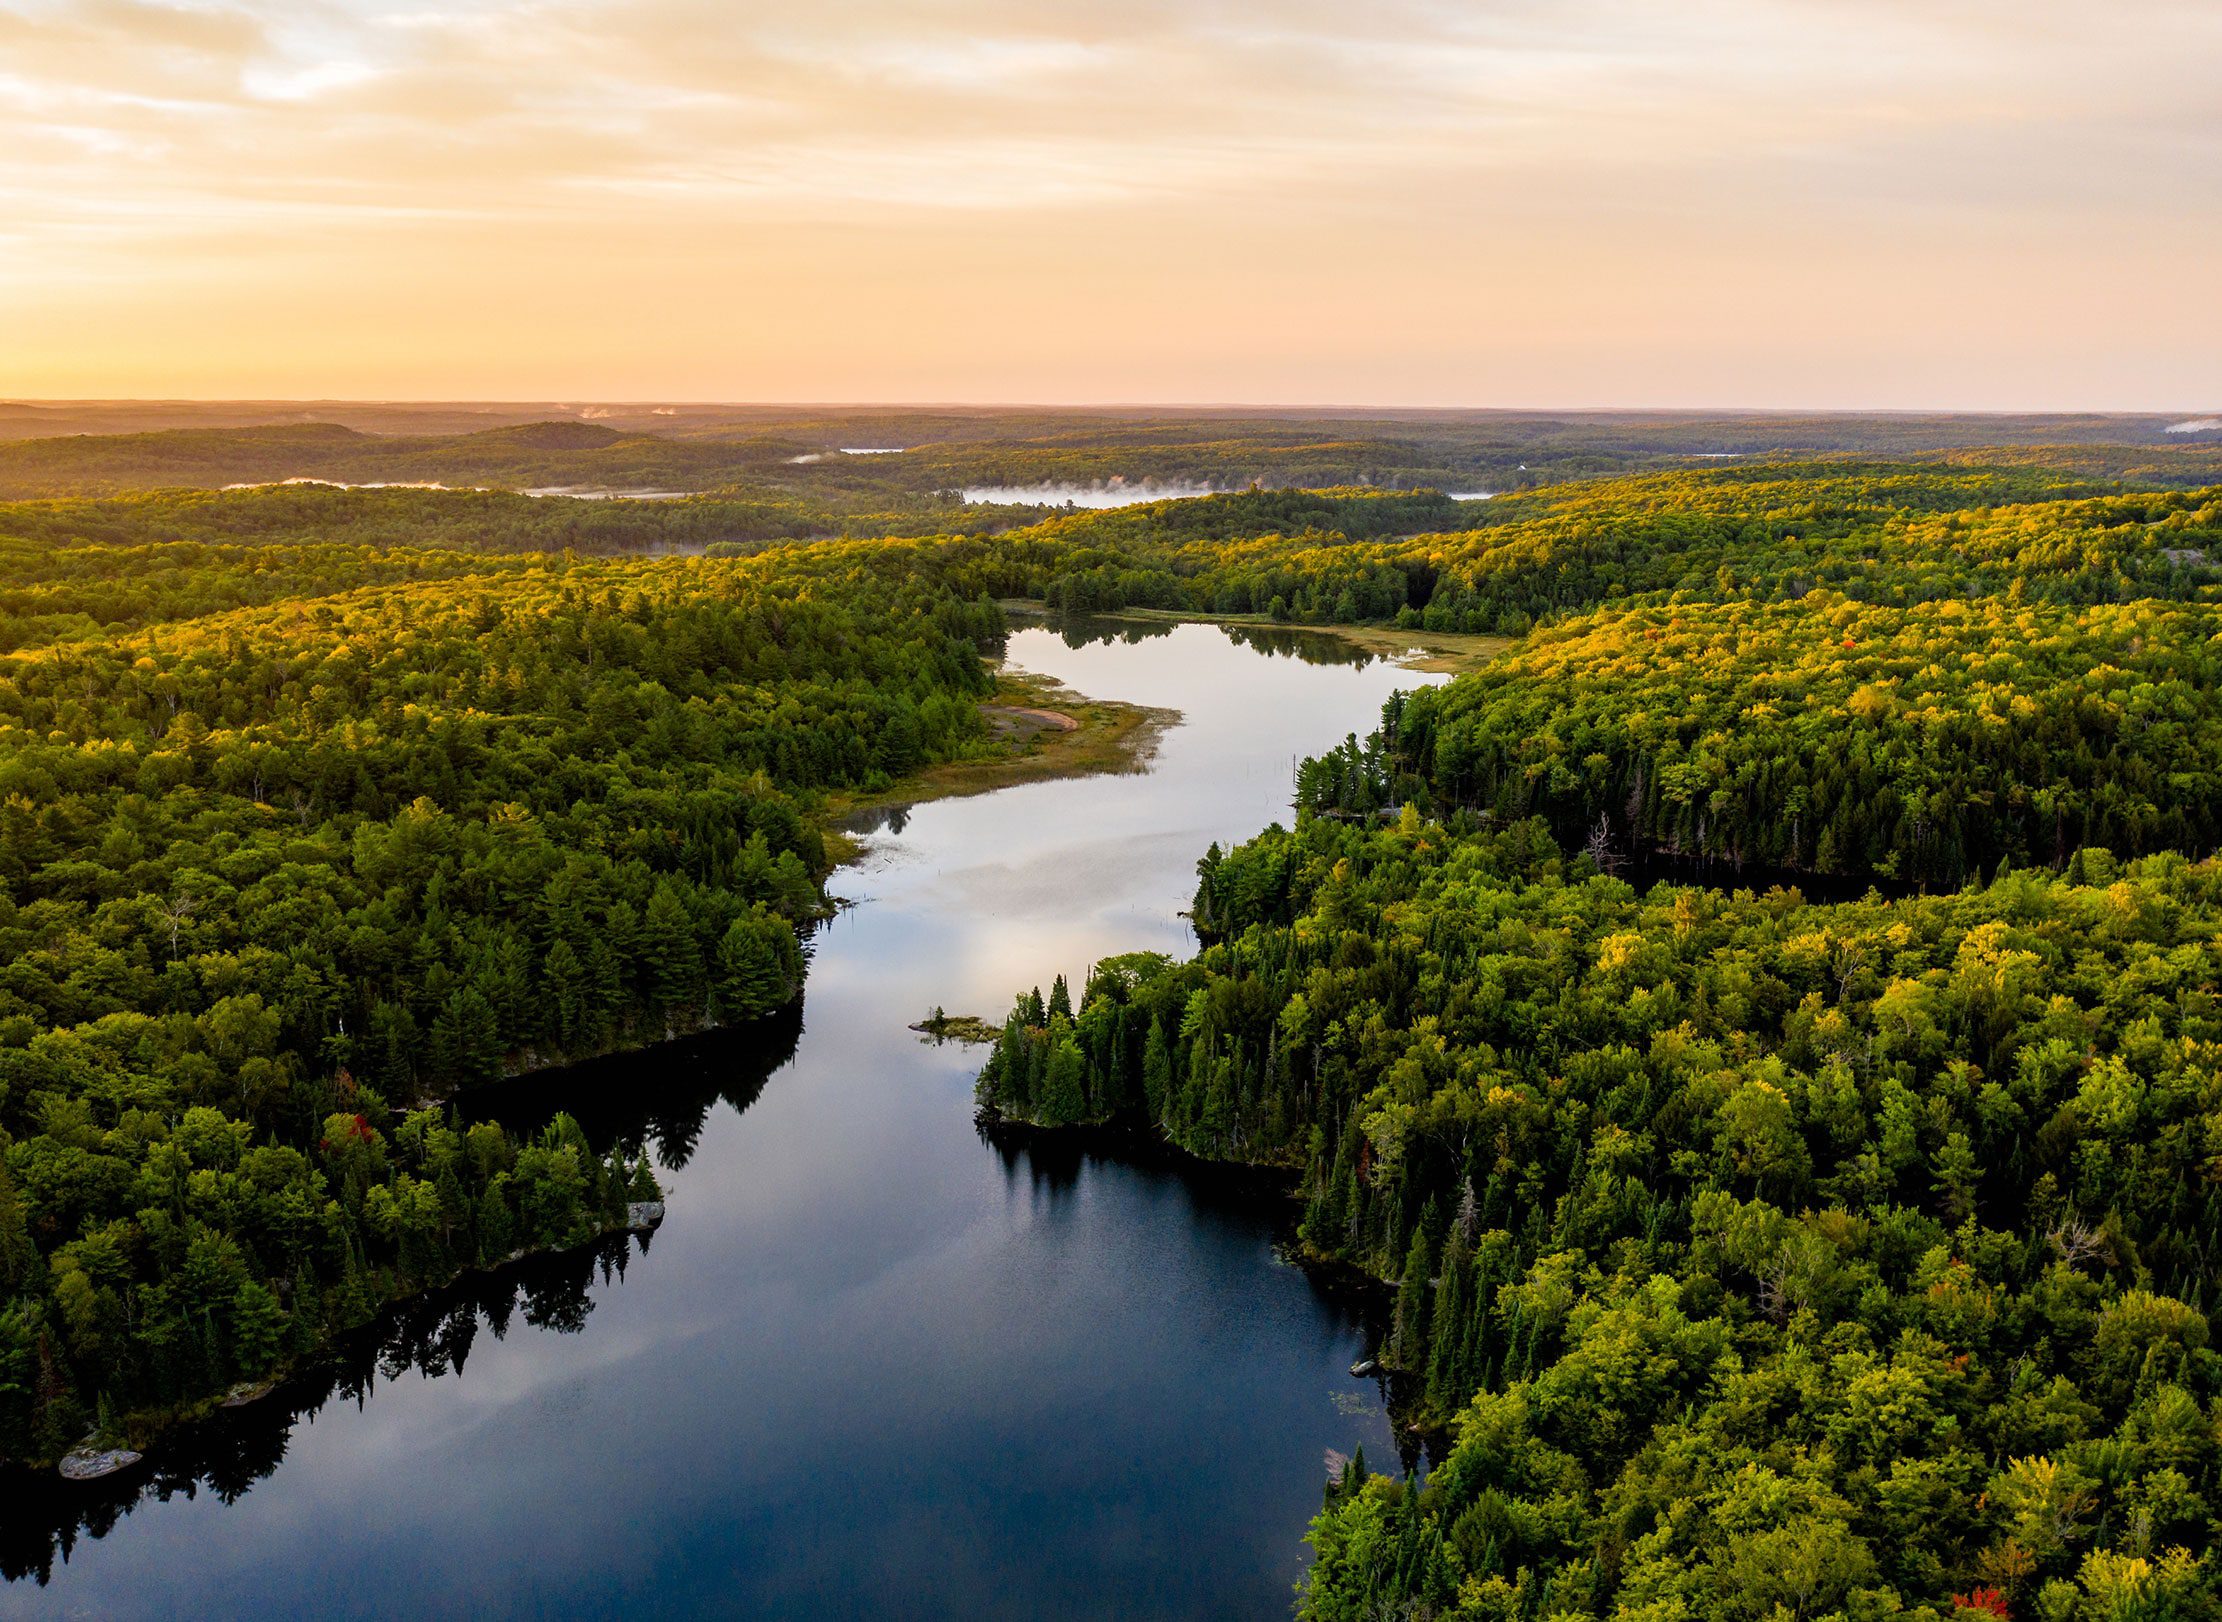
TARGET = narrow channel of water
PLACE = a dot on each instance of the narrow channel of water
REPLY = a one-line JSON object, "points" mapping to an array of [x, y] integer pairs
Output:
{"points": [[872, 1364]]}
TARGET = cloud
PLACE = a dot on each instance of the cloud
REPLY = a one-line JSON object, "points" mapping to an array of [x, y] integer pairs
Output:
{"points": [[992, 105], [169, 142]]}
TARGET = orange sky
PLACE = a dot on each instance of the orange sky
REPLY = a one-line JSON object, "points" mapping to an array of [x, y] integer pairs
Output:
{"points": [[1500, 202]]}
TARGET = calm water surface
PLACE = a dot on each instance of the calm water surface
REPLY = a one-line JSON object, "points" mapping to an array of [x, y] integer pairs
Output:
{"points": [[872, 1364]]}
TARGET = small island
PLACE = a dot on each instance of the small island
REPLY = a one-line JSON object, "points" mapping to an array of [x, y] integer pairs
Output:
{"points": [[939, 1027]]}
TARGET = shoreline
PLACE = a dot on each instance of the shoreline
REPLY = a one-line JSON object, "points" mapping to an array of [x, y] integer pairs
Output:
{"points": [[1437, 652], [1102, 737], [1106, 737], [139, 1435]]}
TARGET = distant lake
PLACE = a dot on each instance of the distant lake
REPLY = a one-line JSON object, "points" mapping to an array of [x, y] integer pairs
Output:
{"points": [[589, 492], [577, 492], [874, 1364], [1083, 495], [337, 484]]}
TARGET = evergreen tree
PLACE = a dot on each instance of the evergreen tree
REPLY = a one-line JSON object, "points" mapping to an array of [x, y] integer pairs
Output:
{"points": [[258, 1329], [18, 1256], [1157, 1071], [1064, 1100], [1408, 1334]]}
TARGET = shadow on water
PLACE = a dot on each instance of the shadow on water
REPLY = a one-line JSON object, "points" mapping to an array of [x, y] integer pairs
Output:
{"points": [[228, 1453], [1302, 643], [234, 1450], [1051, 1165], [1007, 1351], [657, 1100]]}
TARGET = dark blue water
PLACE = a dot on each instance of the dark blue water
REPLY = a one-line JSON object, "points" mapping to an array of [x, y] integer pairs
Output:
{"points": [[872, 1364]]}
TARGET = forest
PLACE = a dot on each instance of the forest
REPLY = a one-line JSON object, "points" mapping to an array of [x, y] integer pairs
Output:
{"points": [[276, 879], [769, 453], [1753, 1255]]}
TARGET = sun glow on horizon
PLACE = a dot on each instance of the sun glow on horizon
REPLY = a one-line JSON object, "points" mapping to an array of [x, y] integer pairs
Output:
{"points": [[1754, 202]]}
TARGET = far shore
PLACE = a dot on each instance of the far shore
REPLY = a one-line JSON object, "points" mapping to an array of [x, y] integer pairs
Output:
{"points": [[1442, 652], [1040, 730]]}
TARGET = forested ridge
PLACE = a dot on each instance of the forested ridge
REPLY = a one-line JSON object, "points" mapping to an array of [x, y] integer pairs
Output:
{"points": [[1879, 533], [1761, 1257], [89, 448]]}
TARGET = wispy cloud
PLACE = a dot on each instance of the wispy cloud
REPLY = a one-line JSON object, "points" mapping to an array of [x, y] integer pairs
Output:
{"points": [[179, 143]]}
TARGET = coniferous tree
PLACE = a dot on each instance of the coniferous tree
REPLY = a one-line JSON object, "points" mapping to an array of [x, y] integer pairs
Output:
{"points": [[1408, 1334]]}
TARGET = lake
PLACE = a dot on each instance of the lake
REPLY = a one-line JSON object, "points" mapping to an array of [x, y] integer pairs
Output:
{"points": [[1097, 496], [873, 1364]]}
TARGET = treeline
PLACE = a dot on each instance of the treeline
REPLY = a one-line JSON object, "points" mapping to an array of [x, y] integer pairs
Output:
{"points": [[1838, 1257], [1928, 743], [433, 1332], [271, 873], [201, 1256], [429, 1336], [1881, 534], [72, 536], [1764, 1257]]}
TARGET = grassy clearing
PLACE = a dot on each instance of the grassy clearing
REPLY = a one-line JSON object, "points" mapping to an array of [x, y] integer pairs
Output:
{"points": [[1026, 744], [1446, 651]]}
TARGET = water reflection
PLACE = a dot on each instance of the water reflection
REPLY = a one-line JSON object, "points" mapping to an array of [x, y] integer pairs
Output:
{"points": [[693, 1075], [430, 1335], [229, 1454], [1295, 642], [1307, 644], [870, 1365]]}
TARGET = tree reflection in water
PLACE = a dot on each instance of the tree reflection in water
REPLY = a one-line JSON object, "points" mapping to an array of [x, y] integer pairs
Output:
{"points": [[430, 1335]]}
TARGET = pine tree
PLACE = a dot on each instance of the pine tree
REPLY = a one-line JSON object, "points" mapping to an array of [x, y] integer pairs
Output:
{"points": [[18, 1255], [1064, 1100], [258, 1329], [1446, 1356], [1157, 1070], [1408, 1337], [674, 961]]}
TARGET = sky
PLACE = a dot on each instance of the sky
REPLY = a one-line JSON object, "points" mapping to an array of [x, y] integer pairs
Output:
{"points": [[1764, 203]]}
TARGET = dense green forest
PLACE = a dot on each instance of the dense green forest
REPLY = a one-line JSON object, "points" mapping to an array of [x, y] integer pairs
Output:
{"points": [[274, 875], [1926, 743], [1877, 532], [1758, 1256]]}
